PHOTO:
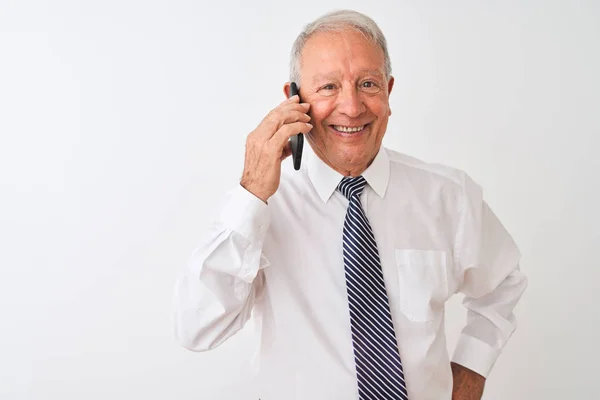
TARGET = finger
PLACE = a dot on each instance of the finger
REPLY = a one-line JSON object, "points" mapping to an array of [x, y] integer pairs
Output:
{"points": [[281, 137], [286, 107], [278, 118], [295, 116], [303, 107], [295, 99], [292, 99]]}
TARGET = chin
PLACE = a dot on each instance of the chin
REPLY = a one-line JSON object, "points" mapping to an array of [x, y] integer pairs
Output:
{"points": [[350, 160]]}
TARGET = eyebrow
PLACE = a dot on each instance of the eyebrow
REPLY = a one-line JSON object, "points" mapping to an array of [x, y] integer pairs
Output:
{"points": [[362, 72]]}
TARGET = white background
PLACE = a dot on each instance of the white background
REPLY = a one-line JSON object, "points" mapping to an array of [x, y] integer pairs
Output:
{"points": [[123, 121]]}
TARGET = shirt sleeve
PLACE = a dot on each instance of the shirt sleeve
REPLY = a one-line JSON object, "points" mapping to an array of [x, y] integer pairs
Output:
{"points": [[491, 280], [217, 288]]}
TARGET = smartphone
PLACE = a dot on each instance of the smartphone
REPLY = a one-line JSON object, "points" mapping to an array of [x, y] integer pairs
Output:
{"points": [[296, 140]]}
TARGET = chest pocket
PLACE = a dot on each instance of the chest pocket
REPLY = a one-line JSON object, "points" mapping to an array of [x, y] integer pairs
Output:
{"points": [[423, 281]]}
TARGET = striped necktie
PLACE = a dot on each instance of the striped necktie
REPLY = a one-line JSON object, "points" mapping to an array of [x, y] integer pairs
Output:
{"points": [[377, 360]]}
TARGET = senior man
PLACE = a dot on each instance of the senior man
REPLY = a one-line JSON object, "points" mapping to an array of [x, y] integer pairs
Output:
{"points": [[346, 264]]}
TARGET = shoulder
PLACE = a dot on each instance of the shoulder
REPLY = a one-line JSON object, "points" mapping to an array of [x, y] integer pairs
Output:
{"points": [[406, 165]]}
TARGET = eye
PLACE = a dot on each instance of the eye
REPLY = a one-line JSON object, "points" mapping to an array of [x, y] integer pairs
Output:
{"points": [[328, 89], [369, 86]]}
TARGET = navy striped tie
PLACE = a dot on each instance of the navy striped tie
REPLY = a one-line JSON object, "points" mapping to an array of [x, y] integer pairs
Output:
{"points": [[377, 360]]}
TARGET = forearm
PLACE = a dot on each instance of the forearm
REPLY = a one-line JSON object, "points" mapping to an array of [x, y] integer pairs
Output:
{"points": [[490, 324], [214, 295], [493, 284], [468, 385], [215, 292]]}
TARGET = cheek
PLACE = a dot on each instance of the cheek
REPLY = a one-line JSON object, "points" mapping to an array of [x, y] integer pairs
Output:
{"points": [[320, 109], [379, 107]]}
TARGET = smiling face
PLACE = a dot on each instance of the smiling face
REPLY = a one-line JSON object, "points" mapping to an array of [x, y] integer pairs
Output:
{"points": [[342, 76]]}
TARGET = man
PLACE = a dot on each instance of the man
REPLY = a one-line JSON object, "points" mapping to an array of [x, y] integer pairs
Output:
{"points": [[346, 264]]}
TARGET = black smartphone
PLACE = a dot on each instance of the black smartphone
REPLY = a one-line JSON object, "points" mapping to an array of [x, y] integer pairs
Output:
{"points": [[296, 140]]}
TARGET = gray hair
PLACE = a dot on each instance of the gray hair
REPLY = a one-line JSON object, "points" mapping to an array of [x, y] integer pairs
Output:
{"points": [[338, 21]]}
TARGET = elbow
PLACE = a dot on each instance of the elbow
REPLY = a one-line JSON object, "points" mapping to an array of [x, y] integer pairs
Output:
{"points": [[519, 281], [190, 337], [200, 334], [189, 341], [192, 345]]}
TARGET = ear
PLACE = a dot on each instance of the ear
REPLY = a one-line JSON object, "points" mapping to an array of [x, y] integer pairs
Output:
{"points": [[286, 90], [390, 86]]}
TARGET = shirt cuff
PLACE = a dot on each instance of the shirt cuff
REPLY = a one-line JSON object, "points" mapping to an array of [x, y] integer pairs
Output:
{"points": [[475, 355], [246, 214]]}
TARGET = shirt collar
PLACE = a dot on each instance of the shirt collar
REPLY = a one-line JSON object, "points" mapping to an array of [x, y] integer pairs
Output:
{"points": [[325, 179]]}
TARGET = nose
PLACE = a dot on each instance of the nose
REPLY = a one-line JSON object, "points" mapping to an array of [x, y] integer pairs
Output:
{"points": [[350, 103]]}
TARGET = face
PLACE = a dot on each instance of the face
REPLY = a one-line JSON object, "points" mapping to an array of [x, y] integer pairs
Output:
{"points": [[342, 76]]}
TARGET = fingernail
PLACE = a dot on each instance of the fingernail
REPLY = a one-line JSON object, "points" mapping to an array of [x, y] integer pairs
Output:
{"points": [[309, 125]]}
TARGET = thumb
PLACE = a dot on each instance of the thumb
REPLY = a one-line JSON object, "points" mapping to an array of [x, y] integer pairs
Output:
{"points": [[287, 151]]}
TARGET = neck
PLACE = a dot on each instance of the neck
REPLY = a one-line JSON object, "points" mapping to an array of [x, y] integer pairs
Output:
{"points": [[349, 168]]}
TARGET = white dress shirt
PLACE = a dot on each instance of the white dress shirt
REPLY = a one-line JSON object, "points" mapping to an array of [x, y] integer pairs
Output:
{"points": [[281, 263]]}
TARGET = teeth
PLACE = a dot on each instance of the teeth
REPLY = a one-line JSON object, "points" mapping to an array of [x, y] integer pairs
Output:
{"points": [[348, 129]]}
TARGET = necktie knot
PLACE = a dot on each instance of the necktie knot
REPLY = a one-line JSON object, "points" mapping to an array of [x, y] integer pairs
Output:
{"points": [[352, 186]]}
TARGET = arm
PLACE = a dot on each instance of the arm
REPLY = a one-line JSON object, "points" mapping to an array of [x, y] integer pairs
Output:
{"points": [[493, 284], [468, 385], [216, 290]]}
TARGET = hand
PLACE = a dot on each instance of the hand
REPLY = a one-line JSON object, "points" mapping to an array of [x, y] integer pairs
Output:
{"points": [[268, 145], [468, 385]]}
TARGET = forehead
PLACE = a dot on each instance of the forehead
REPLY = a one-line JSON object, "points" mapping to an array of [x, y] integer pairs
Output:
{"points": [[346, 53]]}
